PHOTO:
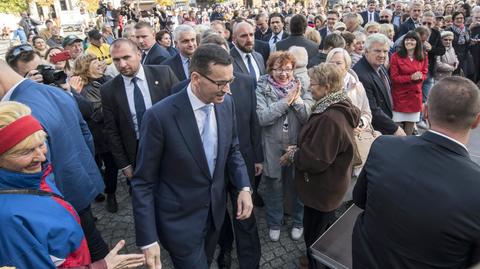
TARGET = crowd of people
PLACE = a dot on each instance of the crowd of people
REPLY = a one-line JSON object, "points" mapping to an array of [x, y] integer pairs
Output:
{"points": [[194, 107]]}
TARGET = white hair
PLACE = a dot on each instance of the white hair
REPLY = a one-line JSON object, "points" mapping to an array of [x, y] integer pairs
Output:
{"points": [[346, 56], [476, 9], [179, 30], [300, 54], [388, 11], [375, 39]]}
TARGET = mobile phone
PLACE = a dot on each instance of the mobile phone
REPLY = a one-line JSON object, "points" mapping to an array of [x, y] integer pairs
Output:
{"points": [[59, 57]]}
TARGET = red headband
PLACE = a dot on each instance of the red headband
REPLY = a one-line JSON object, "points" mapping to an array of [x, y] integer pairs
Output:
{"points": [[16, 131]]}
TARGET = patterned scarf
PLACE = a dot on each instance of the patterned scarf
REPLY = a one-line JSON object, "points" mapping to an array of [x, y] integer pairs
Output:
{"points": [[329, 100], [463, 36], [281, 90]]}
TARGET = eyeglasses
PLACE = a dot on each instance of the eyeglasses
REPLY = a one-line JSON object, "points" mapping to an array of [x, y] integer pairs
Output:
{"points": [[220, 84], [427, 23], [279, 70], [15, 52], [384, 17], [459, 18]]}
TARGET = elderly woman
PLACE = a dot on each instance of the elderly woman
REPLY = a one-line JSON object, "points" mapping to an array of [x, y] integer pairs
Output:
{"points": [[461, 42], [39, 228], [372, 28], [282, 107], [324, 153], [447, 63], [359, 47], [301, 57], [408, 70], [40, 46], [90, 71]]}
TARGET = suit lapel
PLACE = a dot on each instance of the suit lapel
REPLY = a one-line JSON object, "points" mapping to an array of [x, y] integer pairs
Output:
{"points": [[379, 82], [238, 60], [179, 68], [153, 85], [122, 99], [187, 125], [260, 63]]}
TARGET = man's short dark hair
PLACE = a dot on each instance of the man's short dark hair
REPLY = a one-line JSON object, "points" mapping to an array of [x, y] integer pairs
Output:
{"points": [[298, 25], [453, 103], [333, 40], [334, 12], [260, 15], [276, 15], [24, 56], [208, 54]]}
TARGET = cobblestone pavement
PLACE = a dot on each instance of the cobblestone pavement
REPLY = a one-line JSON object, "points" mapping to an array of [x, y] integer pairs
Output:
{"points": [[114, 227]]}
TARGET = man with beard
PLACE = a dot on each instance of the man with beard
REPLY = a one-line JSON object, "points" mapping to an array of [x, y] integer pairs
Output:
{"points": [[126, 97], [245, 59], [276, 22]]}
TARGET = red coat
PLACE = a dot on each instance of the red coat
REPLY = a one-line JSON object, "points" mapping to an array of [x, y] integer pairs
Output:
{"points": [[407, 94]]}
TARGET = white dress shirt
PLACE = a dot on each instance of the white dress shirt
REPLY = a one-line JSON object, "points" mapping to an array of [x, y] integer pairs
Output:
{"points": [[272, 39], [143, 85], [185, 63], [200, 116], [252, 59], [371, 16]]}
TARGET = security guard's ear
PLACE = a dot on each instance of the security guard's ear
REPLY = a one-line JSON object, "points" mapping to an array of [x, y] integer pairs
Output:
{"points": [[476, 122]]}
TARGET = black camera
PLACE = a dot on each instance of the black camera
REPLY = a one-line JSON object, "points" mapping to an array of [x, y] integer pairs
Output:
{"points": [[52, 76]]}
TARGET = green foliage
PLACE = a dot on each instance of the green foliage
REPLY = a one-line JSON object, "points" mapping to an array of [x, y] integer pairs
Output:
{"points": [[13, 6]]}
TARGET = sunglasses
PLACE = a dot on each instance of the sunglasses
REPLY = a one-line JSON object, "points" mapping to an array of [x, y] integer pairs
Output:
{"points": [[18, 50]]}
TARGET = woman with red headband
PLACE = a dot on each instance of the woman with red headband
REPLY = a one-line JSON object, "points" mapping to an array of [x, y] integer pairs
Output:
{"points": [[39, 228]]}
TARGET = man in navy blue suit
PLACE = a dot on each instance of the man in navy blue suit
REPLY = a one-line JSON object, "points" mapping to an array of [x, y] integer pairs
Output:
{"points": [[371, 13], [188, 142], [152, 52], [420, 193], [186, 43]]}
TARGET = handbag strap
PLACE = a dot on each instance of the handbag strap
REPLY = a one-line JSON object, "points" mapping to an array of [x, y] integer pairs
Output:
{"points": [[30, 192]]}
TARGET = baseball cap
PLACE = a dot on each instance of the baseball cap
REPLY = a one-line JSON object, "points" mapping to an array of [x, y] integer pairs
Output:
{"points": [[70, 39]]}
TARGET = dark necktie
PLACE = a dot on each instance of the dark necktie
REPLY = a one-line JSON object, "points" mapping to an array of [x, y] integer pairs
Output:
{"points": [[144, 55], [251, 69], [275, 39], [387, 85], [139, 102]]}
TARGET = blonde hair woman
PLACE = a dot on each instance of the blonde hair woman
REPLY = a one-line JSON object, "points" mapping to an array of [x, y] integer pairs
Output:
{"points": [[39, 228]]}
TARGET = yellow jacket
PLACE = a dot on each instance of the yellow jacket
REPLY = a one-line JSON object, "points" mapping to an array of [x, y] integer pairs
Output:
{"points": [[102, 52]]}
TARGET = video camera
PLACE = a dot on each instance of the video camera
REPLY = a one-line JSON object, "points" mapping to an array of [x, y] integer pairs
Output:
{"points": [[52, 76]]}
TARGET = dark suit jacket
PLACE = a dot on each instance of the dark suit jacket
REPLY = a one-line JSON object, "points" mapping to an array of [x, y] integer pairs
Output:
{"points": [[116, 112], [174, 194], [175, 63], [378, 97], [243, 92], [263, 48], [259, 35], [406, 26], [156, 55], [364, 15], [323, 34], [301, 41], [240, 67], [420, 196]]}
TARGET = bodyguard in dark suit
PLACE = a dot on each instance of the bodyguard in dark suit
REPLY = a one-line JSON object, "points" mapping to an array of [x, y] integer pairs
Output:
{"points": [[123, 106], [370, 14], [186, 42], [298, 26], [374, 77], [152, 52], [420, 193], [245, 58], [195, 129]]}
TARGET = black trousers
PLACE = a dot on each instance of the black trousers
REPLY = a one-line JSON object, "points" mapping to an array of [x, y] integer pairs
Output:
{"points": [[246, 235], [111, 171], [315, 223], [98, 248]]}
